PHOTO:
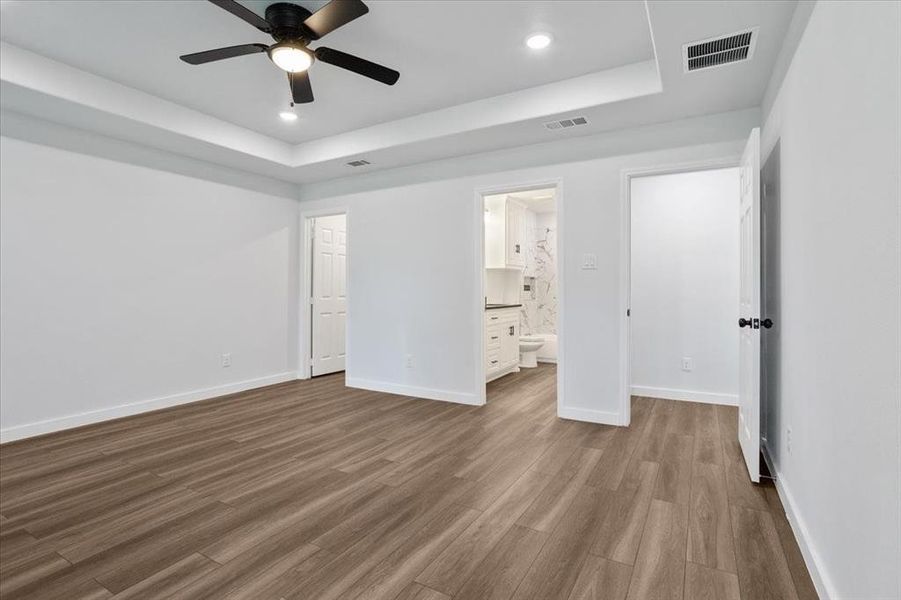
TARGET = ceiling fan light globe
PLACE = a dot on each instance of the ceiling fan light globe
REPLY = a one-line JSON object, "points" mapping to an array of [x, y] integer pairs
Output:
{"points": [[290, 58]]}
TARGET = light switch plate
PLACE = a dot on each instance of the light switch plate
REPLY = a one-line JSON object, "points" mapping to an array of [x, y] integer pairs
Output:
{"points": [[589, 262]]}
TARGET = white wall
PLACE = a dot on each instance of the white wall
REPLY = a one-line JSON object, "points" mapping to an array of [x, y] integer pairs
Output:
{"points": [[685, 240], [837, 115], [122, 286], [414, 287], [147, 277]]}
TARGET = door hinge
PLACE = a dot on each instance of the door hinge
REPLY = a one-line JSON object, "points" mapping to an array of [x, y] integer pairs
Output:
{"points": [[628, 312]]}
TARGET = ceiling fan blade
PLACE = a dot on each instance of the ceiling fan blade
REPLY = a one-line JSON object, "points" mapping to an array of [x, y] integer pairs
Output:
{"points": [[244, 13], [198, 58], [301, 90], [358, 65], [333, 15]]}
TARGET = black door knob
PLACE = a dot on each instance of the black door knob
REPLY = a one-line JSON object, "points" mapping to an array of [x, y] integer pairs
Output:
{"points": [[744, 322], [767, 323]]}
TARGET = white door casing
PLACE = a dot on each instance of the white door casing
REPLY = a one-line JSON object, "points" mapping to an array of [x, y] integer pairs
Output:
{"points": [[749, 307], [329, 294]]}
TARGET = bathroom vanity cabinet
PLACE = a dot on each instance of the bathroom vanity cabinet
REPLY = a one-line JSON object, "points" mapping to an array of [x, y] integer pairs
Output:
{"points": [[501, 342]]}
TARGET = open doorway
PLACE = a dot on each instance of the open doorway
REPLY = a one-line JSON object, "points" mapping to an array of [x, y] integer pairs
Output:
{"points": [[684, 272], [324, 344], [684, 285], [521, 295]]}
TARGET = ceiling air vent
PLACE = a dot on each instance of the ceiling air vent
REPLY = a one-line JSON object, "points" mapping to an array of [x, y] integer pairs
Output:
{"points": [[719, 51], [566, 123], [358, 163]]}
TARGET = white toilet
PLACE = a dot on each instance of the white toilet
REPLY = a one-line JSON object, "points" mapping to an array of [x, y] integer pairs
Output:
{"points": [[528, 350]]}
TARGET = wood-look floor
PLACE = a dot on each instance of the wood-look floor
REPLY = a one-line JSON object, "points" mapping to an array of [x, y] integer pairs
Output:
{"points": [[310, 490]]}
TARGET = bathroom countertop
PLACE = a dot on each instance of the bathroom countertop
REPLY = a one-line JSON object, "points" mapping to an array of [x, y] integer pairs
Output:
{"points": [[494, 306]]}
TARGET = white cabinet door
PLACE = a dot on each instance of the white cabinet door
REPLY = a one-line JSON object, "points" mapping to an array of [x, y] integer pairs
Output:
{"points": [[329, 311], [515, 241], [509, 343]]}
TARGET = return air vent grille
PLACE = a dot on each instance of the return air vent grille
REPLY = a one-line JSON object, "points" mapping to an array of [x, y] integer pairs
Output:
{"points": [[718, 51], [566, 123], [358, 163]]}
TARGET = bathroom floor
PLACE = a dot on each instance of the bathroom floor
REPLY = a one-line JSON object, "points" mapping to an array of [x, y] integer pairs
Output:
{"points": [[312, 490]]}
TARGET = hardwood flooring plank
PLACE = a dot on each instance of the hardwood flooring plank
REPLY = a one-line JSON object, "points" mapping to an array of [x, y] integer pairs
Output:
{"points": [[742, 491], [550, 506], [762, 569], [24, 573], [602, 579], [398, 569], [165, 583], [704, 583], [497, 577], [674, 477], [710, 522], [455, 565], [556, 568], [620, 535], [660, 566], [416, 591], [244, 576]]}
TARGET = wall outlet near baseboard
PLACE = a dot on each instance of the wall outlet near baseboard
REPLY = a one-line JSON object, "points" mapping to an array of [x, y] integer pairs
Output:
{"points": [[226, 360], [687, 364]]}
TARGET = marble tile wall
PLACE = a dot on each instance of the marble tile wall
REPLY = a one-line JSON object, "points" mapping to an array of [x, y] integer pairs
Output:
{"points": [[539, 305]]}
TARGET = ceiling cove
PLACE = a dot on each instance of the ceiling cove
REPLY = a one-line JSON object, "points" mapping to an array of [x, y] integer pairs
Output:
{"points": [[613, 64]]}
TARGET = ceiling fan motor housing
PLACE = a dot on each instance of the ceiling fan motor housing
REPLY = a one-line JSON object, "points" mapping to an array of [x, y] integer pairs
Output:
{"points": [[286, 21]]}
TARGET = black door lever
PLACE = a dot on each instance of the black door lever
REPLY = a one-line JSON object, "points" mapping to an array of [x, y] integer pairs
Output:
{"points": [[767, 323], [744, 322]]}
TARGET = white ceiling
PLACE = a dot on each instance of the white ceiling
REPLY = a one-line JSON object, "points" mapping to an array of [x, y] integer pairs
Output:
{"points": [[468, 84], [447, 52]]}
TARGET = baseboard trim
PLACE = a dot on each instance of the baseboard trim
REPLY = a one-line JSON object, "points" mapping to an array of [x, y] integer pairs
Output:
{"points": [[413, 391], [550, 361], [690, 395], [21, 432], [589, 415], [822, 583]]}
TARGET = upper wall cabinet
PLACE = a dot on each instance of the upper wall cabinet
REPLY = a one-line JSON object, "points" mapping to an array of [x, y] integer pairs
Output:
{"points": [[505, 233]]}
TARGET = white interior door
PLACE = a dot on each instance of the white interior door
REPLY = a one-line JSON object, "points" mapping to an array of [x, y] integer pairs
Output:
{"points": [[749, 308], [329, 302]]}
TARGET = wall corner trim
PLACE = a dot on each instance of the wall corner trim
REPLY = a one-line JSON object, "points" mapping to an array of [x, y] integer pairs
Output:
{"points": [[20, 432], [414, 391]]}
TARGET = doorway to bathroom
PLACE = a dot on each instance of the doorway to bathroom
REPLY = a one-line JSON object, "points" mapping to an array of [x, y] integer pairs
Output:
{"points": [[520, 299], [323, 347]]}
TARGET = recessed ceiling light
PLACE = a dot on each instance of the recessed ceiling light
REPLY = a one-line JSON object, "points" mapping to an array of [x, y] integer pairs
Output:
{"points": [[539, 41], [288, 115]]}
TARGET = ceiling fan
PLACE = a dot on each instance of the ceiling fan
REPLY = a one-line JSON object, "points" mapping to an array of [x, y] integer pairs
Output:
{"points": [[293, 27]]}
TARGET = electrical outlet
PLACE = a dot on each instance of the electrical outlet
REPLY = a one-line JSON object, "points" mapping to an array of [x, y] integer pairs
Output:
{"points": [[589, 262], [788, 440], [408, 361], [687, 364], [226, 360]]}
